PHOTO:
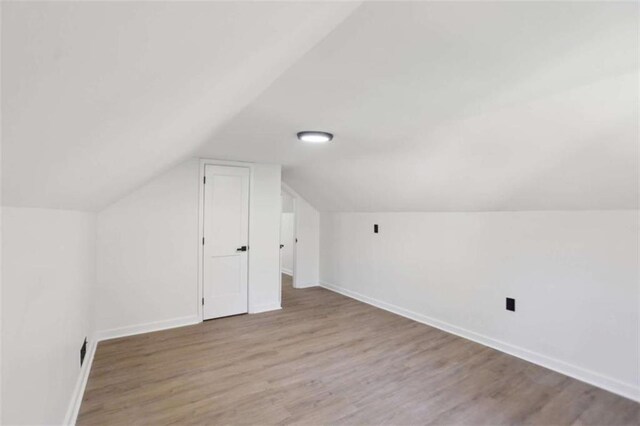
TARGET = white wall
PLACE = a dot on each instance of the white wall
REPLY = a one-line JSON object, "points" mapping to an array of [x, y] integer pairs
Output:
{"points": [[286, 238], [574, 276], [264, 238], [1, 225], [48, 275], [287, 203], [307, 258], [148, 254], [147, 251]]}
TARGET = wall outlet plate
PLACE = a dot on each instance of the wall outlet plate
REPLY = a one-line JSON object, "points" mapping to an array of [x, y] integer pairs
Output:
{"points": [[83, 351]]}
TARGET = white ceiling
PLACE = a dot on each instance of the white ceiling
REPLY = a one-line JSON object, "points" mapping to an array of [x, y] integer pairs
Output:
{"points": [[97, 98], [435, 106]]}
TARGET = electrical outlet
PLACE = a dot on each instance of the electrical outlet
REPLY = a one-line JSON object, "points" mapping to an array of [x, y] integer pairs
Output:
{"points": [[83, 351], [511, 304]]}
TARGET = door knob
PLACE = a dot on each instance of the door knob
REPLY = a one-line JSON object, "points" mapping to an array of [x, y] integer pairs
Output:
{"points": [[281, 245], [243, 248]]}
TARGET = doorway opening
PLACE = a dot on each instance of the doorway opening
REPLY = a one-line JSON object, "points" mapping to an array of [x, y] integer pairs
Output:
{"points": [[287, 241]]}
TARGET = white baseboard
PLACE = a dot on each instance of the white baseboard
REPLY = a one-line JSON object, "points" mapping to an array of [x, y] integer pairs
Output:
{"points": [[264, 308], [610, 384], [147, 327], [306, 285], [78, 391], [286, 271]]}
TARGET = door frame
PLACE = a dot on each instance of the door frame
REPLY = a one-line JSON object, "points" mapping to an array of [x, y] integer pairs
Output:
{"points": [[286, 188], [210, 162]]}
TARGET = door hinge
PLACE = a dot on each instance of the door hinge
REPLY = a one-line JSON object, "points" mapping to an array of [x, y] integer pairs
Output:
{"points": [[203, 301], [202, 240], [204, 180]]}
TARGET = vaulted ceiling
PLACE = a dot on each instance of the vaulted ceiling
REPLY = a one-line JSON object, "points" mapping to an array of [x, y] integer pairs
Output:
{"points": [[435, 106], [99, 97]]}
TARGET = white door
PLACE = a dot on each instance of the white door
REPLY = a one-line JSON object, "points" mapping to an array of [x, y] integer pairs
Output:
{"points": [[226, 240]]}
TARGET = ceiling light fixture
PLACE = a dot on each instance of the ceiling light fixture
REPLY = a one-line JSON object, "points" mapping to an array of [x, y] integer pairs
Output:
{"points": [[315, 137]]}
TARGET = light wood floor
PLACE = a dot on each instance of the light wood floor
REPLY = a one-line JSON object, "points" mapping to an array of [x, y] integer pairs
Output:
{"points": [[327, 359]]}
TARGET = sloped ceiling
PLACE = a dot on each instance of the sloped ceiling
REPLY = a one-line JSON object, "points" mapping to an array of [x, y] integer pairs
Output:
{"points": [[98, 97], [435, 106], [458, 107]]}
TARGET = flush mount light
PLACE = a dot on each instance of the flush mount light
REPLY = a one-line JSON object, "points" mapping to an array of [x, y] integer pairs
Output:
{"points": [[315, 137]]}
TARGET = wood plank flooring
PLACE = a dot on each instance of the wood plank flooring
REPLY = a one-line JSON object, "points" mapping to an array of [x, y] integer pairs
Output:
{"points": [[328, 359]]}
